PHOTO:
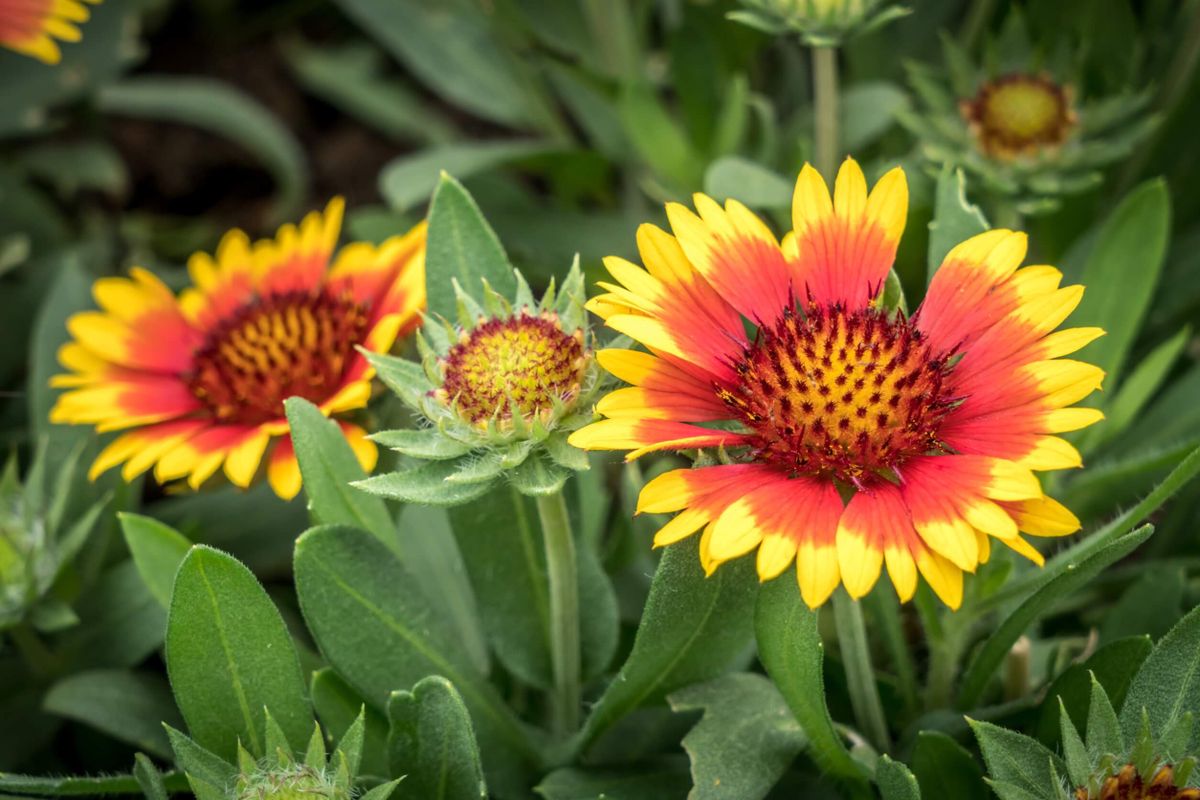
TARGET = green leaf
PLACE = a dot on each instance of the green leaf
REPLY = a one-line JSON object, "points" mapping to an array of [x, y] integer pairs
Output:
{"points": [[424, 484], [895, 781], [198, 762], [1113, 665], [1074, 751], [397, 637], [461, 247], [221, 109], [149, 778], [1061, 581], [76, 786], [451, 47], [692, 629], [1103, 728], [328, 467], [338, 706], [1148, 607], [748, 182], [646, 782], [157, 550], [431, 743], [426, 444], [120, 622], [1018, 761], [410, 179], [790, 647], [432, 556], [954, 219], [658, 139], [1121, 272], [538, 476], [944, 768], [508, 572], [745, 740], [868, 110], [1137, 390], [130, 706], [229, 656], [1168, 684]]}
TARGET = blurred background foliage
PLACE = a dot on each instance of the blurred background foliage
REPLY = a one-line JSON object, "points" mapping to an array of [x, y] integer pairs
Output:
{"points": [[571, 122]]}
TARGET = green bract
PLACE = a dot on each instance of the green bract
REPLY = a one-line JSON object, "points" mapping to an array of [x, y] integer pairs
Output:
{"points": [[1091, 133], [481, 425], [36, 545], [1151, 742], [819, 22]]}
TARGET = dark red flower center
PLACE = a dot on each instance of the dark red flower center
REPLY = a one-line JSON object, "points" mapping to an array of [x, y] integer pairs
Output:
{"points": [[284, 345], [844, 394], [1018, 113], [527, 359]]}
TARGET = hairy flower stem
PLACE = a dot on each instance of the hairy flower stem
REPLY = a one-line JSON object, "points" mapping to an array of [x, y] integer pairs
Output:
{"points": [[564, 610], [860, 673], [825, 109]]}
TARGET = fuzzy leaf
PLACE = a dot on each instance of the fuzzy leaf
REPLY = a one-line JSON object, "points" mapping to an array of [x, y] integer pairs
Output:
{"points": [[745, 740], [339, 707], [1168, 684], [954, 219], [1074, 752], [944, 768], [328, 467], [1059, 583], [895, 781], [398, 637], [229, 656], [198, 762], [130, 706], [1018, 761], [431, 742], [426, 443], [424, 484], [538, 477], [692, 629], [149, 778], [652, 781], [1113, 665], [790, 647], [461, 247], [1104, 729], [157, 550]]}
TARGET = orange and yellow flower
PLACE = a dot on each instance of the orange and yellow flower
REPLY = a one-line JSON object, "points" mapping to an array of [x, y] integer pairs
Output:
{"points": [[31, 27], [200, 379], [856, 436]]}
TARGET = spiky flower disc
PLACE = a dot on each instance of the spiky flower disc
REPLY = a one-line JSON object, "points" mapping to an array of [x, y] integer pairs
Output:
{"points": [[1129, 785], [1019, 114], [524, 364], [499, 393]]}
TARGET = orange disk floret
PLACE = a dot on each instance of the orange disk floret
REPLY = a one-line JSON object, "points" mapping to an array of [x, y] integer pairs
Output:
{"points": [[858, 437], [198, 381], [31, 27]]}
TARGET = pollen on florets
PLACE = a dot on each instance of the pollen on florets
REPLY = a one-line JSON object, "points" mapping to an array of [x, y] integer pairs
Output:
{"points": [[843, 394], [524, 362], [1018, 114], [1129, 785], [294, 782]]}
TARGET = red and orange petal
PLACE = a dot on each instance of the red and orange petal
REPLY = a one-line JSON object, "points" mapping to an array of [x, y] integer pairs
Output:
{"points": [[1005, 391], [138, 364], [31, 27]]}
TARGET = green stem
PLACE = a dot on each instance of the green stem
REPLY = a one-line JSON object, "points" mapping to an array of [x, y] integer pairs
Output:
{"points": [[564, 610], [825, 109], [944, 658], [886, 609], [977, 19], [860, 674]]}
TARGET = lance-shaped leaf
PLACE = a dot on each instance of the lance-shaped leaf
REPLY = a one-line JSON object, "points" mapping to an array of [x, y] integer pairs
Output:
{"points": [[432, 744]]}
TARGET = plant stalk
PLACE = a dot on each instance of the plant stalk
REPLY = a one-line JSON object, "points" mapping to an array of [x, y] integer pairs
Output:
{"points": [[564, 611], [825, 110], [860, 673]]}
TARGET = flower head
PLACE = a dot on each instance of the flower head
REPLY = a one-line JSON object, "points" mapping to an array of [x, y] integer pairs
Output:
{"points": [[1021, 134], [499, 394], [32, 26], [201, 378], [819, 22], [1019, 114], [848, 435]]}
